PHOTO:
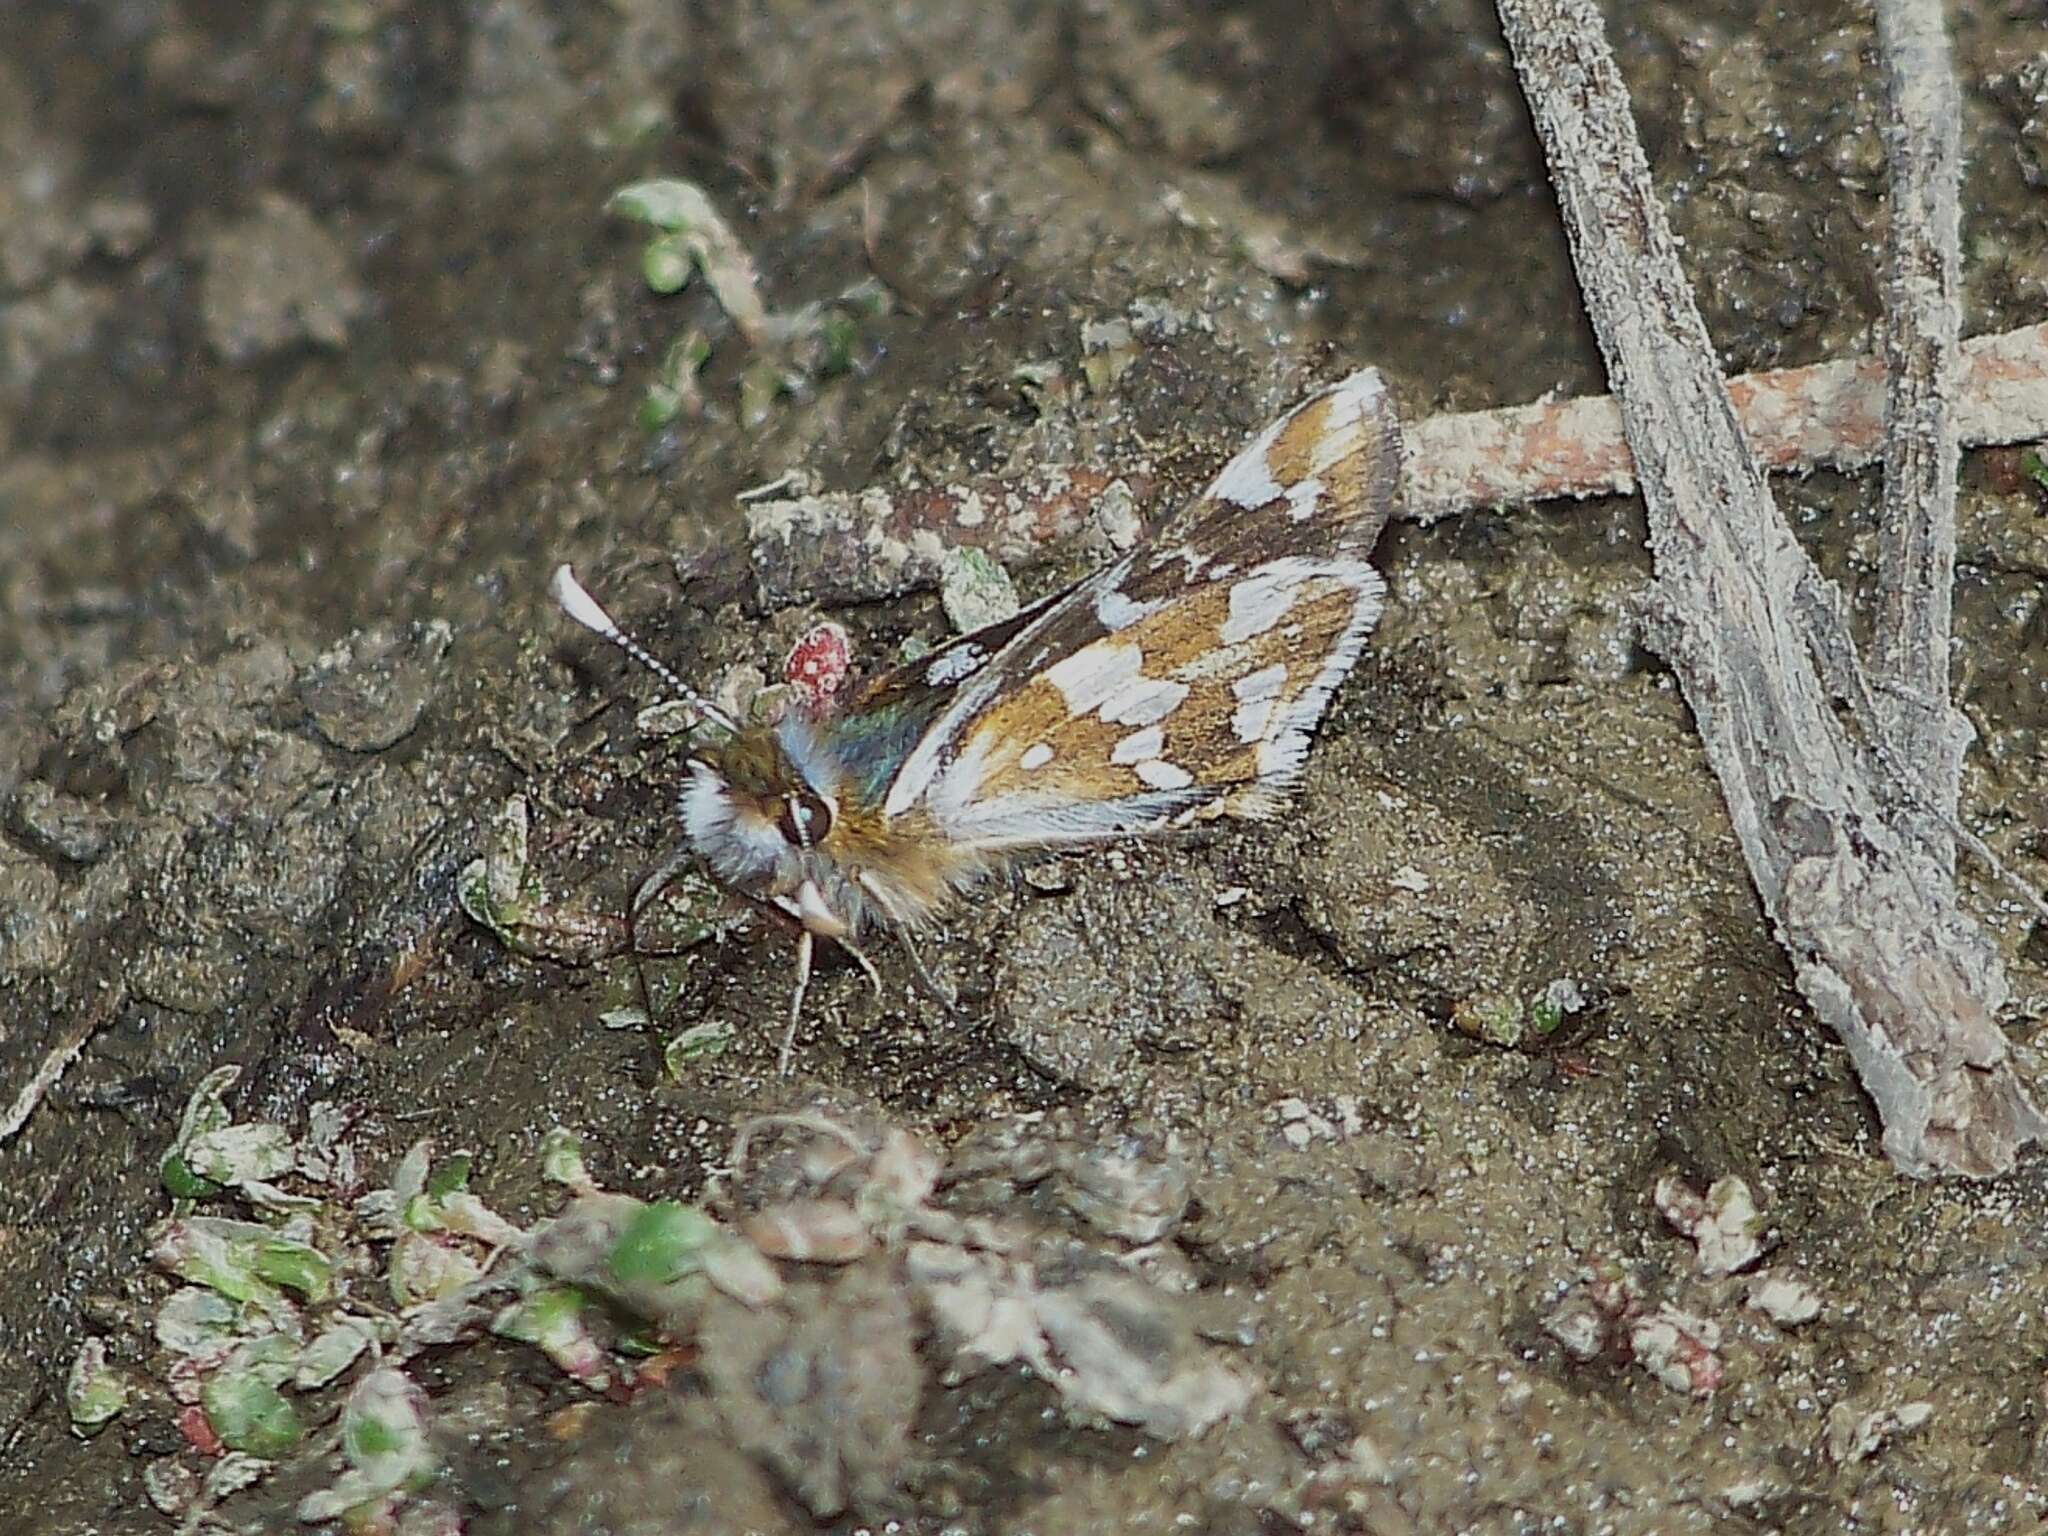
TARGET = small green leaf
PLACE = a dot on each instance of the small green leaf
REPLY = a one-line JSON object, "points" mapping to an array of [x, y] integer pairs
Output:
{"points": [[206, 1110], [660, 1244], [425, 1268], [643, 1341], [295, 1266], [974, 590], [95, 1392], [838, 337], [658, 407], [217, 1253], [249, 1414], [238, 1154], [182, 1182], [453, 1174], [700, 1042], [762, 382], [667, 264], [561, 1159], [384, 1440], [552, 1320], [331, 1353], [664, 202], [197, 1321]]}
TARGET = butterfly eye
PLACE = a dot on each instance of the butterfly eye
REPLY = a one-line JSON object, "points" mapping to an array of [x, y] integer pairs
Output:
{"points": [[805, 818]]}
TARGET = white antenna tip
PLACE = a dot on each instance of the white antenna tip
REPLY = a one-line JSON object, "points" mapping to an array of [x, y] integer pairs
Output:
{"points": [[579, 604]]}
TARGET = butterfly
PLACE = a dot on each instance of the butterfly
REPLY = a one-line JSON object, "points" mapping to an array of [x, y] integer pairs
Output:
{"points": [[1181, 682]]}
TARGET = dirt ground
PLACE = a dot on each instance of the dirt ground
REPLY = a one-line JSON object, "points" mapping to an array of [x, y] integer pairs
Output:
{"points": [[318, 350]]}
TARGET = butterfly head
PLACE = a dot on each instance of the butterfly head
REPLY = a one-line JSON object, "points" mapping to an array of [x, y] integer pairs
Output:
{"points": [[759, 805], [760, 821]]}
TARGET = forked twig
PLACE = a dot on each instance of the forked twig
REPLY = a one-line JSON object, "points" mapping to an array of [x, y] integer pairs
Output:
{"points": [[1757, 639]]}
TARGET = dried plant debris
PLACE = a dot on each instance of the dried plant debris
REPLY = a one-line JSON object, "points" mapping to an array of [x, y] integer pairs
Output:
{"points": [[692, 237], [1606, 1316], [974, 590], [502, 892], [1856, 1433], [95, 1391], [1784, 1299], [1500, 1019], [838, 1273], [792, 347], [1724, 1223]]}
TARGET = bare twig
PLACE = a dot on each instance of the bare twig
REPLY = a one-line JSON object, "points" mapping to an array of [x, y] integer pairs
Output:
{"points": [[1749, 626], [846, 546], [859, 546], [1923, 324], [56, 1062], [1828, 415]]}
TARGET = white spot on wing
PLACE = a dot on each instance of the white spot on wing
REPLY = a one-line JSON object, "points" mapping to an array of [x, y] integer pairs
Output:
{"points": [[1354, 401], [1287, 735], [1303, 497], [1139, 745], [1107, 678], [1036, 756], [1261, 597], [1115, 611], [953, 665], [1255, 695], [1143, 701], [1247, 480], [1163, 775], [1094, 673], [927, 773]]}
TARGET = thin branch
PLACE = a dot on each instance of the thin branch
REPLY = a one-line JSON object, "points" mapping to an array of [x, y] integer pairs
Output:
{"points": [[1923, 364], [1826, 416], [56, 1062], [1750, 627], [862, 546]]}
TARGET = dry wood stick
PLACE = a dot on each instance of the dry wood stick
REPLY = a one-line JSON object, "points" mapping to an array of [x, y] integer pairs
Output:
{"points": [[859, 546], [1923, 363], [1826, 415], [1749, 625]]}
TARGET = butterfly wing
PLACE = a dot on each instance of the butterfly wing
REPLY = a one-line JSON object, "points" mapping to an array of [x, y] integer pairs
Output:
{"points": [[1184, 680], [868, 739]]}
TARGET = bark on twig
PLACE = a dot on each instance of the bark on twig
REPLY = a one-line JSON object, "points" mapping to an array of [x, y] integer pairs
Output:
{"points": [[1923, 326], [860, 546], [1826, 416], [849, 547], [1751, 628]]}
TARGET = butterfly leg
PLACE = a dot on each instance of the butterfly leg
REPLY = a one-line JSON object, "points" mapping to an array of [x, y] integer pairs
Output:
{"points": [[868, 966], [805, 945], [678, 860], [928, 983]]}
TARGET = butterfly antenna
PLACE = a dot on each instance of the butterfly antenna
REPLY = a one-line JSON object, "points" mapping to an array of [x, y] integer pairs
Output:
{"points": [[585, 610]]}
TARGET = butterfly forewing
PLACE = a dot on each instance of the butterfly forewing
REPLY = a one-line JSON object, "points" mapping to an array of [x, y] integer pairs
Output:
{"points": [[1184, 680]]}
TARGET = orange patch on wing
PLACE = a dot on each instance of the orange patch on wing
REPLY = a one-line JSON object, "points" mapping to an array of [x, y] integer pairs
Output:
{"points": [[1202, 735], [1291, 458], [1179, 644], [1017, 733]]}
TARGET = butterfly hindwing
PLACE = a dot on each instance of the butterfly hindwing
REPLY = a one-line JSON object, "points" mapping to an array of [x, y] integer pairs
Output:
{"points": [[1185, 679]]}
